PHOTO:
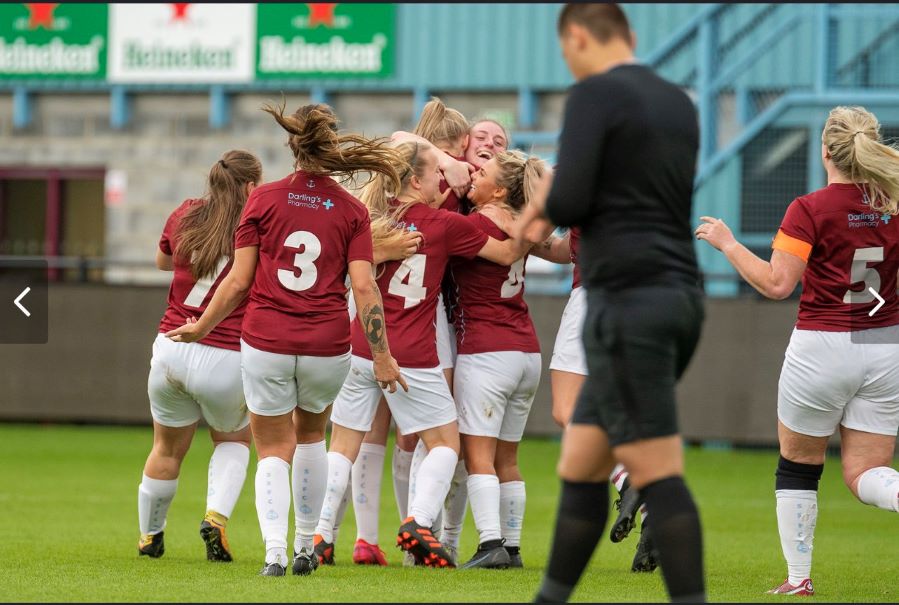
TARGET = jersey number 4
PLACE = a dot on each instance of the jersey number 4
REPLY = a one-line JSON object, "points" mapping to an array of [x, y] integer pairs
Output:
{"points": [[861, 272], [304, 261], [408, 282]]}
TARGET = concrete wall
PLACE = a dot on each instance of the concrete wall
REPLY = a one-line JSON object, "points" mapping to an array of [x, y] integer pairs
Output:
{"points": [[94, 367]]}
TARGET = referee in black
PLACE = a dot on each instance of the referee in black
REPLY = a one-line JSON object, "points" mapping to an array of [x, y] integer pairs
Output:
{"points": [[626, 164]]}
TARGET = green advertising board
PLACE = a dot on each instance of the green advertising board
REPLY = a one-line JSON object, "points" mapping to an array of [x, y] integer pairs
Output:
{"points": [[321, 40], [53, 41]]}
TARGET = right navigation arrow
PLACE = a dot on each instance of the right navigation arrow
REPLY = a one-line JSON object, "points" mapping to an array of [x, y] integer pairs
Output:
{"points": [[880, 304]]}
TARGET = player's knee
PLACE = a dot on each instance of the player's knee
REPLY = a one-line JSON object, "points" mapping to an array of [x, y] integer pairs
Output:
{"points": [[796, 475]]}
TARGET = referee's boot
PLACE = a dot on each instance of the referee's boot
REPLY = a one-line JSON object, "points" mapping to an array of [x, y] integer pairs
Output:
{"points": [[490, 555], [151, 545], [627, 504]]}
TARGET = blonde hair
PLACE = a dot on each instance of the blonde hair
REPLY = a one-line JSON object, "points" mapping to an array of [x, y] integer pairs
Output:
{"points": [[206, 231], [518, 174], [318, 147], [852, 137], [410, 160], [441, 124]]}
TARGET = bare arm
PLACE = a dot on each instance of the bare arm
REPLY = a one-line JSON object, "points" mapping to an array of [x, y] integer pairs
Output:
{"points": [[370, 315], [230, 293], [504, 252], [456, 173], [400, 250], [554, 249], [775, 279], [164, 261]]}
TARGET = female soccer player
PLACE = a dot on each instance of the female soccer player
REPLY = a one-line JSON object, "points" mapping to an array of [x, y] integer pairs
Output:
{"points": [[498, 367], [410, 303], [840, 365], [187, 382], [297, 240]]}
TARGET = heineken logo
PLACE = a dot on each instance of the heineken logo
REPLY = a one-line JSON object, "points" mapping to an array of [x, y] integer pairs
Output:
{"points": [[54, 57], [321, 14], [335, 55], [40, 16]]}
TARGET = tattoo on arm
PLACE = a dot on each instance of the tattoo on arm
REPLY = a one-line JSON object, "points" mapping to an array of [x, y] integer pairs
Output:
{"points": [[548, 243], [373, 325]]}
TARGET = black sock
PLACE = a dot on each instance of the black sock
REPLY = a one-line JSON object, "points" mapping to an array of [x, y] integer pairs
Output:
{"points": [[678, 538], [580, 522]]}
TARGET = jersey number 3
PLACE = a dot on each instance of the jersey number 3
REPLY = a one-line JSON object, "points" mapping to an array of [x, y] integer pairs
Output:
{"points": [[861, 272], [304, 261]]}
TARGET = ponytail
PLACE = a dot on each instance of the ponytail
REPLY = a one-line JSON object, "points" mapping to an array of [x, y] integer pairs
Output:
{"points": [[852, 137], [441, 124], [518, 174], [206, 231]]}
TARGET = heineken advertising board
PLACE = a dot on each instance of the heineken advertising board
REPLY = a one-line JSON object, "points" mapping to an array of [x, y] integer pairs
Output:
{"points": [[325, 40], [181, 42], [53, 41]]}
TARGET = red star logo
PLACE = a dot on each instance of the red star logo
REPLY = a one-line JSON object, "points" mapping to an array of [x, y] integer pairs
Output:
{"points": [[41, 15], [321, 13], [180, 9]]}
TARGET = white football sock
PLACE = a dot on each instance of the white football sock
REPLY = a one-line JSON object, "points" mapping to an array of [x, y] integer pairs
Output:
{"points": [[880, 487], [273, 506], [341, 510], [432, 483], [153, 499], [367, 473], [512, 500], [797, 514], [339, 467], [456, 504], [418, 456], [310, 480], [483, 491], [400, 464], [618, 476], [227, 473]]}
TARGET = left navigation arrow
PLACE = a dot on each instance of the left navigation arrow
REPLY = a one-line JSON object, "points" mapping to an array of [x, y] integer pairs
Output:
{"points": [[18, 302]]}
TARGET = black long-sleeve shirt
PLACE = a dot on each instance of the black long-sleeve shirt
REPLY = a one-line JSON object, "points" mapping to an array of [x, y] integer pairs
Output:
{"points": [[626, 165]]}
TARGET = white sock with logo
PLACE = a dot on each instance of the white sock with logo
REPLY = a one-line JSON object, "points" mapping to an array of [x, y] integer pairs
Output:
{"points": [[339, 467], [484, 494], [310, 480], [227, 473], [418, 456], [154, 496], [512, 500], [797, 514], [432, 483], [880, 487], [273, 506], [367, 473]]}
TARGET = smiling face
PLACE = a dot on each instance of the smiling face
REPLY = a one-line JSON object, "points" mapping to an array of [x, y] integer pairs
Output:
{"points": [[486, 140], [483, 185]]}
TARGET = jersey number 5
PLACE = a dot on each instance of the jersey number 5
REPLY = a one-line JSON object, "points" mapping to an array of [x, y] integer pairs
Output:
{"points": [[412, 272], [861, 272], [312, 249]]}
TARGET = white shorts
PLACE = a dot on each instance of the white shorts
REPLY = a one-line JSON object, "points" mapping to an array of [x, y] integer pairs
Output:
{"points": [[495, 392], [189, 381], [428, 403], [568, 352], [446, 337], [275, 384], [828, 380]]}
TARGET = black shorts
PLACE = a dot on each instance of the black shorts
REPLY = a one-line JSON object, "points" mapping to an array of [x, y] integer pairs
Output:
{"points": [[638, 342]]}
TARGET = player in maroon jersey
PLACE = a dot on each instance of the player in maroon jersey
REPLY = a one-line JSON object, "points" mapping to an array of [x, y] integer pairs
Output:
{"points": [[410, 300], [190, 381], [498, 367], [297, 241], [840, 365]]}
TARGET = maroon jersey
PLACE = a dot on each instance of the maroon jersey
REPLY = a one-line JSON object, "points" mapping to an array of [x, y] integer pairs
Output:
{"points": [[492, 315], [452, 203], [849, 248], [188, 297], [409, 288], [574, 240], [307, 229]]}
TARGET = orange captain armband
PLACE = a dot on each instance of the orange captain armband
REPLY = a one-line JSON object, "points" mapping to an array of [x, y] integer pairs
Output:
{"points": [[791, 245]]}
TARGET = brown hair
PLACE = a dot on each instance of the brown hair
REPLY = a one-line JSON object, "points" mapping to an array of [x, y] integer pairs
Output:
{"points": [[518, 174], [501, 127], [441, 124], [206, 231], [852, 137], [318, 147], [603, 20], [411, 161]]}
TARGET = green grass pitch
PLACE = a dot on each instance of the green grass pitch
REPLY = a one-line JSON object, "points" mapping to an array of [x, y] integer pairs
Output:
{"points": [[69, 533]]}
